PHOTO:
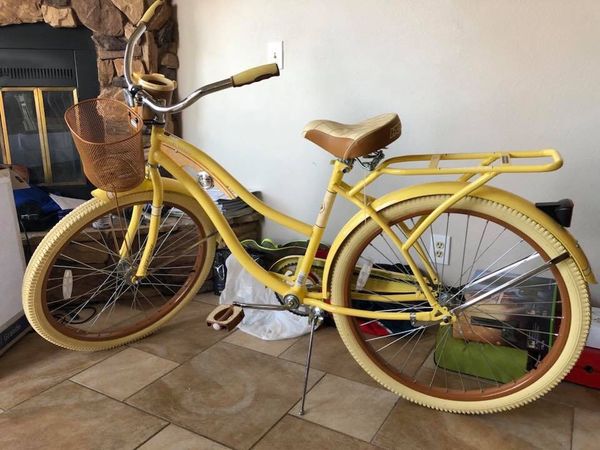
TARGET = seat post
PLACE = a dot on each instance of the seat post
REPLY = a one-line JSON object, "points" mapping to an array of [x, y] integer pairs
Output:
{"points": [[339, 168], [318, 228]]}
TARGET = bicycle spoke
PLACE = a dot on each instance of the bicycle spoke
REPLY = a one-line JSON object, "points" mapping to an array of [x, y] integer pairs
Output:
{"points": [[402, 336], [464, 253], [77, 278], [483, 275], [102, 244], [114, 298], [378, 266], [423, 246], [483, 355], [470, 268], [446, 249], [407, 359], [445, 339], [63, 303], [88, 300], [110, 253], [475, 258], [85, 266]]}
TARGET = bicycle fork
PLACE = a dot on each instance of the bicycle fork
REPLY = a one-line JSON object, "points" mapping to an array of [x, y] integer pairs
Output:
{"points": [[156, 209]]}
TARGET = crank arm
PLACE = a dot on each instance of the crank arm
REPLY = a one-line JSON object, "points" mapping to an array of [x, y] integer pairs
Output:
{"points": [[263, 306], [289, 302]]}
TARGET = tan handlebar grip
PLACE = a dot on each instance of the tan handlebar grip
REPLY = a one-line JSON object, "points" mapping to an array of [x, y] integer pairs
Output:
{"points": [[150, 11], [255, 74]]}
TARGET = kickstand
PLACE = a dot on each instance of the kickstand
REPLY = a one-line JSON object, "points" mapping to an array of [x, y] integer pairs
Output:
{"points": [[313, 318]]}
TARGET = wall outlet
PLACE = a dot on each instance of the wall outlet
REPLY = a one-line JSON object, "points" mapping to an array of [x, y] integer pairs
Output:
{"points": [[439, 249], [275, 53]]}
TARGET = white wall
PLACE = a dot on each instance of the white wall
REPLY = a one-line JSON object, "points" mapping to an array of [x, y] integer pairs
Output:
{"points": [[463, 75]]}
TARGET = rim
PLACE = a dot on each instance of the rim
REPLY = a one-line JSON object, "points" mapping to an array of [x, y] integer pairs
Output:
{"points": [[103, 292], [481, 388]]}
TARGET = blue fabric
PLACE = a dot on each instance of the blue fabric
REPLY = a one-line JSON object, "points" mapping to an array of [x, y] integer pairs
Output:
{"points": [[35, 195]]}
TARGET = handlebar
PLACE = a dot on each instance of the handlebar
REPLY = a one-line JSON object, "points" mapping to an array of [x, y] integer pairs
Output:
{"points": [[258, 73], [136, 92], [150, 12]]}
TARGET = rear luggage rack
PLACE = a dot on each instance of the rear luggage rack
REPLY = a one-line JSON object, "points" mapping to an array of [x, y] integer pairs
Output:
{"points": [[485, 164]]}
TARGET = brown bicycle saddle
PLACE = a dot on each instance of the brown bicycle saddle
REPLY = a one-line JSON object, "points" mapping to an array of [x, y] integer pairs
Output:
{"points": [[348, 141]]}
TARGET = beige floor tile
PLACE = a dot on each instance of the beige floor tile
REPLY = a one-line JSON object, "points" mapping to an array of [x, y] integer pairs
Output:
{"points": [[541, 424], [174, 437], [125, 373], [69, 416], [227, 393], [575, 395], [185, 336], [293, 433], [347, 406], [273, 348], [207, 297], [586, 429], [329, 355], [33, 365]]}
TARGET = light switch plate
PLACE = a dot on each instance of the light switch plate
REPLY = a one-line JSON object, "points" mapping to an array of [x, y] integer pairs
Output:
{"points": [[275, 53]]}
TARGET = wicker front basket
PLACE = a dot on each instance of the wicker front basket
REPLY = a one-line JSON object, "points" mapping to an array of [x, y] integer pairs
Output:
{"points": [[108, 137]]}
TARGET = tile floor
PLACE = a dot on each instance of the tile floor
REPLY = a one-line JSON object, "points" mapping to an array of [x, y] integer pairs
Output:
{"points": [[188, 387]]}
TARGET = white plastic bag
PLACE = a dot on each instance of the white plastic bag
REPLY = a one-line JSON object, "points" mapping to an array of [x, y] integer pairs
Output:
{"points": [[240, 286]]}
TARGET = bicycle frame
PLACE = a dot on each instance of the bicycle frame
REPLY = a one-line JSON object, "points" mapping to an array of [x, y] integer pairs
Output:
{"points": [[163, 143]]}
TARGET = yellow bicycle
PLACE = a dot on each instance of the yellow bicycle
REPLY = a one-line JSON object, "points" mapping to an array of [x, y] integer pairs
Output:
{"points": [[455, 295]]}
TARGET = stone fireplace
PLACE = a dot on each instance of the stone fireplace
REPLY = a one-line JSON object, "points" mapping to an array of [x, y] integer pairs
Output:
{"points": [[43, 70]]}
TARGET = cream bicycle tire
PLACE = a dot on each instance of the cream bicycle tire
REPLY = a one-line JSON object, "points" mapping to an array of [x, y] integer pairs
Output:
{"points": [[578, 306], [43, 259]]}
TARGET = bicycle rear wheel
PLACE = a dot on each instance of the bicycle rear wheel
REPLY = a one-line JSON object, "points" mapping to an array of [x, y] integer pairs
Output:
{"points": [[501, 352], [77, 292]]}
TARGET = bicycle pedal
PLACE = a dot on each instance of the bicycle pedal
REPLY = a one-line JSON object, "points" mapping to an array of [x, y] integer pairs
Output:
{"points": [[225, 317]]}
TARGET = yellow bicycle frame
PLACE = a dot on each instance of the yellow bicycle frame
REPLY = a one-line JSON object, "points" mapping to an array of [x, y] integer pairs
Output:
{"points": [[165, 148]]}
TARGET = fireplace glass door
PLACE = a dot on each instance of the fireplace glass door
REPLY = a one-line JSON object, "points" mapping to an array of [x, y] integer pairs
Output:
{"points": [[34, 134]]}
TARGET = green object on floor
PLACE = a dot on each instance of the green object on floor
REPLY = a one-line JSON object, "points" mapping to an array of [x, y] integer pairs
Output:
{"points": [[487, 361], [268, 244]]}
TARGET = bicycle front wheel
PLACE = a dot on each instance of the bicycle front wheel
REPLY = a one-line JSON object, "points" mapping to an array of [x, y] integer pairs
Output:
{"points": [[508, 348], [77, 291]]}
